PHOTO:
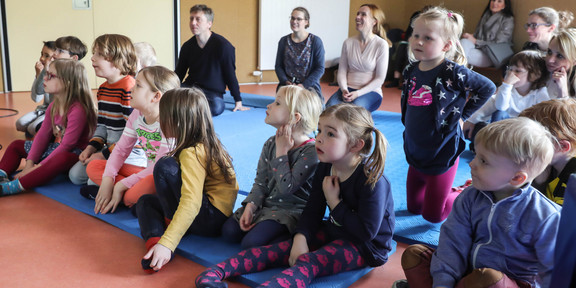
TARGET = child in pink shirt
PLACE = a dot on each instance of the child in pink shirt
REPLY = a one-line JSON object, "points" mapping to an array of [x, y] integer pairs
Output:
{"points": [[125, 183]]}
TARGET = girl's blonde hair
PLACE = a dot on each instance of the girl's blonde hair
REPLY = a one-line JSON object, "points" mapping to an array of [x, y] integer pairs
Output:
{"points": [[452, 25], [305, 102], [358, 125], [523, 141], [185, 116], [567, 42], [160, 78], [76, 89], [119, 50], [380, 18]]}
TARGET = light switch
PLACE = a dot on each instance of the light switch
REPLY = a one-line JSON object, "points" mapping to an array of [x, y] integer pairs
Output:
{"points": [[81, 4]]}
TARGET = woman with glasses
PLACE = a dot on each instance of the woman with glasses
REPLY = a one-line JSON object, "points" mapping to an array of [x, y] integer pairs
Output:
{"points": [[495, 26], [542, 23], [364, 61], [300, 56]]}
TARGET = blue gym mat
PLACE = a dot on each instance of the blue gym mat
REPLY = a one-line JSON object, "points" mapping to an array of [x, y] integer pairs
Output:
{"points": [[243, 134]]}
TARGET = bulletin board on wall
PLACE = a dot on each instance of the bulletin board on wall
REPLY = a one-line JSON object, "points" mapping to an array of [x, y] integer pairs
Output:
{"points": [[329, 20]]}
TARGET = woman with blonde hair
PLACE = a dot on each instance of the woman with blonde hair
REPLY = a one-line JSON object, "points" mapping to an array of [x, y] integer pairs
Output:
{"points": [[364, 61]]}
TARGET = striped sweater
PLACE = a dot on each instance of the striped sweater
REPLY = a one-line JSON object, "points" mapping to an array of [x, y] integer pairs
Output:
{"points": [[113, 112]]}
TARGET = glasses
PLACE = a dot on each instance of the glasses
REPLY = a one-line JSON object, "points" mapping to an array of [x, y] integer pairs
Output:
{"points": [[296, 19], [59, 51], [515, 69], [50, 75], [535, 25]]}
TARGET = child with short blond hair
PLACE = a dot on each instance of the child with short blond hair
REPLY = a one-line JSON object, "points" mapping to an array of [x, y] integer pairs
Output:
{"points": [[115, 60], [558, 117], [146, 55], [283, 182], [501, 231]]}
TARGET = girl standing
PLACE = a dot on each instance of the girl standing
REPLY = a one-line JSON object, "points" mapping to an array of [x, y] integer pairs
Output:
{"points": [[70, 121], [121, 182], [350, 180], [196, 185], [434, 102], [300, 57], [284, 175]]}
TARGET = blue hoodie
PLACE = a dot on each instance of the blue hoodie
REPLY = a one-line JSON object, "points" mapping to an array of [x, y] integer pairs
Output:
{"points": [[515, 236]]}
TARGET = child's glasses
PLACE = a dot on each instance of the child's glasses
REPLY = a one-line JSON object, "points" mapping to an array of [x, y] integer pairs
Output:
{"points": [[50, 75], [60, 51], [535, 25]]}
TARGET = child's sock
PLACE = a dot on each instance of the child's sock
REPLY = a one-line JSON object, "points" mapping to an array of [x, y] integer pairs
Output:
{"points": [[146, 262], [11, 187], [211, 278], [89, 191]]}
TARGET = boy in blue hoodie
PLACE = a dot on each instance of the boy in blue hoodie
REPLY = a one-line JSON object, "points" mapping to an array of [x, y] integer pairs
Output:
{"points": [[501, 231]]}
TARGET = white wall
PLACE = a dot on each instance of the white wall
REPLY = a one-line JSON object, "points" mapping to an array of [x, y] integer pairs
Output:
{"points": [[32, 21]]}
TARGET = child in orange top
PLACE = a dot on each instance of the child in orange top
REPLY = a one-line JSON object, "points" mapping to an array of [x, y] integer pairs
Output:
{"points": [[115, 60]]}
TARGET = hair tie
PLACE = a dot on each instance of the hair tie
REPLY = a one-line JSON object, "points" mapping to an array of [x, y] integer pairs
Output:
{"points": [[450, 14]]}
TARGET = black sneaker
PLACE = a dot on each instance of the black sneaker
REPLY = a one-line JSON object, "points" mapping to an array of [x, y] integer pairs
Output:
{"points": [[400, 284], [89, 191]]}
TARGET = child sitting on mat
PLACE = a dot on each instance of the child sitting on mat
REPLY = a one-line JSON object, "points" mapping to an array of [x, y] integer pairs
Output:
{"points": [[70, 120], [350, 180], [502, 231], [558, 117], [115, 60], [121, 182], [284, 175], [196, 185], [523, 87]]}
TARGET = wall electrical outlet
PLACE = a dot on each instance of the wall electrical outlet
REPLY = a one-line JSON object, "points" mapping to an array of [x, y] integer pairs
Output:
{"points": [[81, 4]]}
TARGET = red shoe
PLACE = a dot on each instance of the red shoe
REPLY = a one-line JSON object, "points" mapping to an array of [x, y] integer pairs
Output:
{"points": [[462, 187]]}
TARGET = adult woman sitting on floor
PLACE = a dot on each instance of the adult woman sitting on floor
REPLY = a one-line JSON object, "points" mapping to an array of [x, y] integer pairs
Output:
{"points": [[495, 26], [364, 61], [542, 24], [300, 57]]}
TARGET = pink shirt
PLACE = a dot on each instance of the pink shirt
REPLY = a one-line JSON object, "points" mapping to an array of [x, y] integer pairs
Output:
{"points": [[74, 135], [149, 136], [363, 70]]}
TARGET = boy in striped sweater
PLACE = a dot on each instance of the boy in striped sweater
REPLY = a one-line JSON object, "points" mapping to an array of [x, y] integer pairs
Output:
{"points": [[114, 59]]}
